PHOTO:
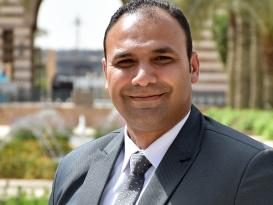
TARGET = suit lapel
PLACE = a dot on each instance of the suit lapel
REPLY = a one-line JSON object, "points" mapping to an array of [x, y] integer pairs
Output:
{"points": [[176, 162], [99, 172]]}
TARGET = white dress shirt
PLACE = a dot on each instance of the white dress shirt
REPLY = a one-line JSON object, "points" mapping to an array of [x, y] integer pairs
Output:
{"points": [[154, 153]]}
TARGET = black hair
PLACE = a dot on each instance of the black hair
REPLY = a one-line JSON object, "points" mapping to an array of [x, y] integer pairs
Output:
{"points": [[134, 5]]}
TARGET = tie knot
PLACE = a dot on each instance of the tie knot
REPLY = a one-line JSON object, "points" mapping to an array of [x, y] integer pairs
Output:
{"points": [[139, 164]]}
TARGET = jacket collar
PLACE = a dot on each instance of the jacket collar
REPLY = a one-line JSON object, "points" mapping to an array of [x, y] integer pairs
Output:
{"points": [[100, 171], [176, 162]]}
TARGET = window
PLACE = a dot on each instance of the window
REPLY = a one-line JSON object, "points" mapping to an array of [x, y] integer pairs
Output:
{"points": [[8, 46]]}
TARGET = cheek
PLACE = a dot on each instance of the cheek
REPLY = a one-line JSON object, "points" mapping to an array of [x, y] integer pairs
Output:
{"points": [[178, 77], [117, 79], [180, 83]]}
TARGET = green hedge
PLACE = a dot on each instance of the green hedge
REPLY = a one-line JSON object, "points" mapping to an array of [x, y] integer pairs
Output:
{"points": [[23, 199], [24, 157], [255, 122]]}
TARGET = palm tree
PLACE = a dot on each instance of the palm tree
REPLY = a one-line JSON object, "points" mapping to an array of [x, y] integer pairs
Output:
{"points": [[262, 12], [198, 11], [242, 46], [125, 1], [256, 64]]}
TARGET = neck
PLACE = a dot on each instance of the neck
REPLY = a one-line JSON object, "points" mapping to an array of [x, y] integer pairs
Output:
{"points": [[143, 139]]}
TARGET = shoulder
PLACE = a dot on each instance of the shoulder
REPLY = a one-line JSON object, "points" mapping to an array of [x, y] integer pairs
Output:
{"points": [[235, 148], [78, 161], [256, 184], [251, 161], [74, 166], [89, 148], [228, 136]]}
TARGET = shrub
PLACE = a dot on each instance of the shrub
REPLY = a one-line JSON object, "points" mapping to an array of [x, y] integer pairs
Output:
{"points": [[24, 134], [23, 199], [25, 159], [268, 132], [264, 120], [246, 120], [24, 156], [257, 122]]}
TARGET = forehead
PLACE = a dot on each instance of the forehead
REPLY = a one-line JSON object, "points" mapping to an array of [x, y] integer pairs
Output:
{"points": [[144, 27]]}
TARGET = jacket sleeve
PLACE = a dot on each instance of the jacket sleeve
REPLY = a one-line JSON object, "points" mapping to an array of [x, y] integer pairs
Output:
{"points": [[52, 198], [256, 185]]}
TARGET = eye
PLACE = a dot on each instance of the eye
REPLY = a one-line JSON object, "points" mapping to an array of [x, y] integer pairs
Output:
{"points": [[124, 63], [162, 60]]}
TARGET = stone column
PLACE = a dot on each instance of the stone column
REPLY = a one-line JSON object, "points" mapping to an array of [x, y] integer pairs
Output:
{"points": [[1, 48], [13, 17], [23, 71]]}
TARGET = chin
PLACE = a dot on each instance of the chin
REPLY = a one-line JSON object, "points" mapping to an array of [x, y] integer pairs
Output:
{"points": [[147, 123]]}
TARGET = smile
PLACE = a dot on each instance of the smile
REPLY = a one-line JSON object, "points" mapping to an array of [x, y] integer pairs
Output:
{"points": [[147, 97]]}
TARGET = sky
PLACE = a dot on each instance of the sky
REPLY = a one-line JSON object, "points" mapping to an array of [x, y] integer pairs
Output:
{"points": [[57, 18]]}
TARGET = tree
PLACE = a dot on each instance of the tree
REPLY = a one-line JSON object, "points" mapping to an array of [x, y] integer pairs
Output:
{"points": [[125, 1], [243, 62], [262, 12]]}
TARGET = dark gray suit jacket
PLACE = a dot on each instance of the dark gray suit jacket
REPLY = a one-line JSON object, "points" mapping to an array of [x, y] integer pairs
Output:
{"points": [[207, 164]]}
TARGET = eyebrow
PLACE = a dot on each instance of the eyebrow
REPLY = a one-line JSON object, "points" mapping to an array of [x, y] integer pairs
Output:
{"points": [[124, 54], [164, 50]]}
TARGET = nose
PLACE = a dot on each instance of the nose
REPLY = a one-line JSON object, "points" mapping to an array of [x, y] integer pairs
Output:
{"points": [[144, 76]]}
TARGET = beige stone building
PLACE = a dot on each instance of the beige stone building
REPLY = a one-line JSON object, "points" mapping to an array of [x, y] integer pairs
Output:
{"points": [[17, 27]]}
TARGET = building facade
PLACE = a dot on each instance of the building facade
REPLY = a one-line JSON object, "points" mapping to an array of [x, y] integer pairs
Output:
{"points": [[17, 28]]}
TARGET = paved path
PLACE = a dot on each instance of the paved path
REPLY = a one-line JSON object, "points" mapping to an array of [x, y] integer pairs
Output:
{"points": [[11, 187]]}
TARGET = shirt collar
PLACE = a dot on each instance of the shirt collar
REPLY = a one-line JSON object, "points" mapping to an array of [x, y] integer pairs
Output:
{"points": [[129, 149], [156, 151]]}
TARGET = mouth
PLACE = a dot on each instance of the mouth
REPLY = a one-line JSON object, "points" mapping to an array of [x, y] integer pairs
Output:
{"points": [[149, 97]]}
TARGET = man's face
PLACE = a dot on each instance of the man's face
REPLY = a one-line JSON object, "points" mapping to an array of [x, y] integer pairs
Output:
{"points": [[148, 72]]}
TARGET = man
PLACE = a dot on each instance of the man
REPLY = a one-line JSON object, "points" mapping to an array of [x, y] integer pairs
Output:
{"points": [[186, 158]]}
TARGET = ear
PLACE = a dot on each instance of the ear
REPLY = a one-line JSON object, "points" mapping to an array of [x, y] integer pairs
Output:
{"points": [[104, 67], [194, 68]]}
